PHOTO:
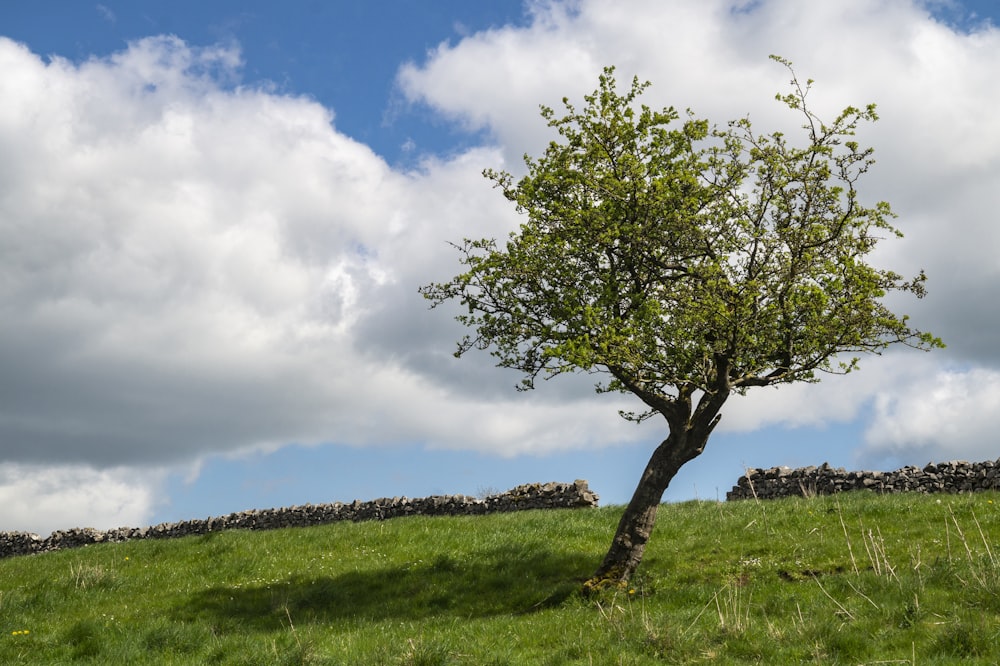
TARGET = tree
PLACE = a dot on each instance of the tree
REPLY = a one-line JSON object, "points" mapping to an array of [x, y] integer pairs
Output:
{"points": [[683, 263]]}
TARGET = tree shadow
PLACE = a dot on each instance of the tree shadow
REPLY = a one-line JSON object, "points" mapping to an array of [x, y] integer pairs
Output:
{"points": [[502, 581]]}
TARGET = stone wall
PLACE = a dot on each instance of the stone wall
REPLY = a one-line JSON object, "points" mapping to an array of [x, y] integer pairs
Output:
{"points": [[957, 476], [528, 496]]}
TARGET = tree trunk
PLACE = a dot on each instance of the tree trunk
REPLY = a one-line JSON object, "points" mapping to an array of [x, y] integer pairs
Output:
{"points": [[637, 522]]}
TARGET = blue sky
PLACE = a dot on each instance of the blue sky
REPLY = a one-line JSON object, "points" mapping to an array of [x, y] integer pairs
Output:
{"points": [[214, 218], [343, 54]]}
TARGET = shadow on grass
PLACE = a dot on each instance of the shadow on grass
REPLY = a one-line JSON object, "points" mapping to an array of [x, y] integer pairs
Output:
{"points": [[496, 582]]}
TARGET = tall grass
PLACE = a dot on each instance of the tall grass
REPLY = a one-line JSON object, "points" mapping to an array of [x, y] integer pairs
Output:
{"points": [[852, 579]]}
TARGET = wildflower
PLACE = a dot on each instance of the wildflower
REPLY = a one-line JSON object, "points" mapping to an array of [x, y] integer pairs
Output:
{"points": [[22, 632], [632, 591]]}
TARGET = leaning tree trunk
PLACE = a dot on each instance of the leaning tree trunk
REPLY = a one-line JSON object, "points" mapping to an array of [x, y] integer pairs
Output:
{"points": [[637, 522]]}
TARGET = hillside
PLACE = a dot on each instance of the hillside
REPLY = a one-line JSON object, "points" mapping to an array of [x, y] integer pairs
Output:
{"points": [[854, 578]]}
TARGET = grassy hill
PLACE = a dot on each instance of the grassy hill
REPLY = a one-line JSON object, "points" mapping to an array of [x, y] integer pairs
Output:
{"points": [[851, 579]]}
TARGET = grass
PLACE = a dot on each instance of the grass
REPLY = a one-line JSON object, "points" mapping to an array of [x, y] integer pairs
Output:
{"points": [[851, 579]]}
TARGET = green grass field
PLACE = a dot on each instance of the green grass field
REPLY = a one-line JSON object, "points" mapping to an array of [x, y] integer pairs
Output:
{"points": [[853, 579]]}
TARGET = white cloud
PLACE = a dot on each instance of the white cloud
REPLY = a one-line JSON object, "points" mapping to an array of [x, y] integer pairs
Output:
{"points": [[949, 415], [43, 499], [937, 146], [181, 259], [192, 267]]}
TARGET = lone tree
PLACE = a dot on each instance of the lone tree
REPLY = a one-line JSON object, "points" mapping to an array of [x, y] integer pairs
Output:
{"points": [[683, 263]]}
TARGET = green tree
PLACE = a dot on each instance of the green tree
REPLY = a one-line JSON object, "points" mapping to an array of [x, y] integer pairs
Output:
{"points": [[683, 263]]}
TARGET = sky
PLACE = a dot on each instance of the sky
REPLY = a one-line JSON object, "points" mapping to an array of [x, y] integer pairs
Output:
{"points": [[214, 218]]}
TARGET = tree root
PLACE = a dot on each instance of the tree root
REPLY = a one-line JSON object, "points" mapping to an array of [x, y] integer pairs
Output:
{"points": [[613, 578]]}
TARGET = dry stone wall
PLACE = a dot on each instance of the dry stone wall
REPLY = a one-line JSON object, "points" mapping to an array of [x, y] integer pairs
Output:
{"points": [[528, 496], [957, 476]]}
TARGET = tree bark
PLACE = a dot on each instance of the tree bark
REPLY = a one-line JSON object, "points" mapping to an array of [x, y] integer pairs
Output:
{"points": [[636, 524]]}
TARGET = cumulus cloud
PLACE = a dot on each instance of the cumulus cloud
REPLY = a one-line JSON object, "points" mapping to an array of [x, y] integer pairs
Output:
{"points": [[176, 254], [945, 416], [42, 499], [937, 147], [191, 264]]}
